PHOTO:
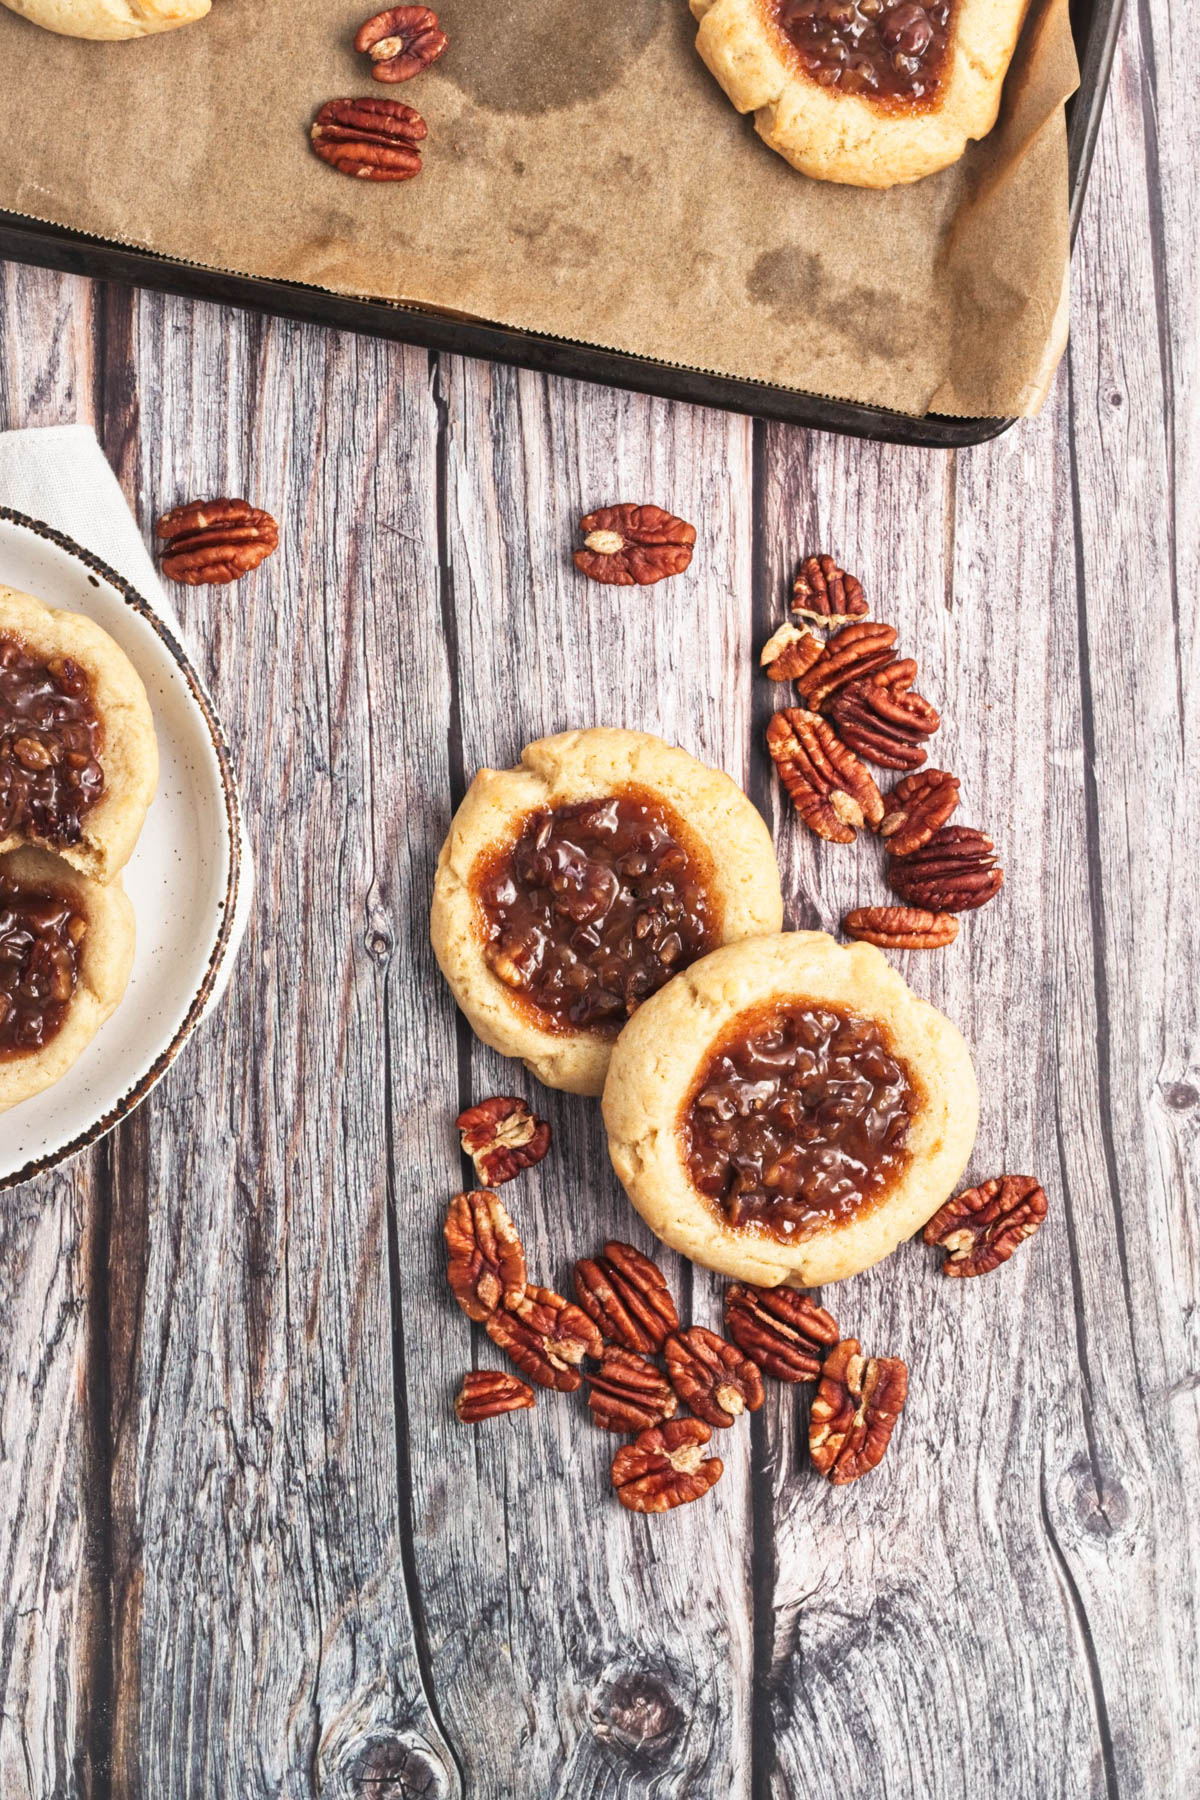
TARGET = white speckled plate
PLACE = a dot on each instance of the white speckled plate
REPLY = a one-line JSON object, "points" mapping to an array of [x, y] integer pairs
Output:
{"points": [[188, 879]]}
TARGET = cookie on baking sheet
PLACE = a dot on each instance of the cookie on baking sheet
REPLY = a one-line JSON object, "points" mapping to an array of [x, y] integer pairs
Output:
{"points": [[787, 1110], [66, 949], [109, 18], [869, 92], [78, 754], [573, 886]]}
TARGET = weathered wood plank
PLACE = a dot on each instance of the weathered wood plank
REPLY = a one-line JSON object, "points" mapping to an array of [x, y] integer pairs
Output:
{"points": [[580, 1651], [265, 1642]]}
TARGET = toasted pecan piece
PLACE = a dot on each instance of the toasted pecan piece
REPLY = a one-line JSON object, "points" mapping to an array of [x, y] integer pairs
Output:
{"points": [[665, 1467], [633, 546], [828, 786], [485, 1257], [857, 1403], [486, 1393], [980, 1229], [901, 927], [502, 1137]]}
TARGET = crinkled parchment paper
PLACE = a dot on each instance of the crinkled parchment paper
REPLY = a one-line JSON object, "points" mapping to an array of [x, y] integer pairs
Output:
{"points": [[584, 177]]}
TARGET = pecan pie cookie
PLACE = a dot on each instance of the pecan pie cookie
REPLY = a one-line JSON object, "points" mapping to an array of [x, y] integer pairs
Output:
{"points": [[66, 949], [786, 1110], [78, 755], [575, 885], [869, 92], [109, 18]]}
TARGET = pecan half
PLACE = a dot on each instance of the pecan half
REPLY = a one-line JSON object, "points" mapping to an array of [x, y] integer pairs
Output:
{"points": [[401, 41], [826, 594], [486, 1393], [854, 1411], [828, 786], [785, 1332], [625, 1295], [901, 927], [486, 1260], [980, 1229], [916, 808], [882, 719], [851, 653], [628, 1393], [211, 541], [790, 653], [716, 1379], [665, 1467], [546, 1337], [502, 1137], [954, 872], [374, 140], [632, 546]]}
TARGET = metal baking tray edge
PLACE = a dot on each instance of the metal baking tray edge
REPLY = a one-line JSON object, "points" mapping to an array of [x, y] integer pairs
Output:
{"points": [[25, 240]]}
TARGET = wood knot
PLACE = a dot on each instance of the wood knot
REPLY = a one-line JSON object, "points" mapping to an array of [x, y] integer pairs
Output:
{"points": [[638, 1712], [386, 1767], [1181, 1096]]}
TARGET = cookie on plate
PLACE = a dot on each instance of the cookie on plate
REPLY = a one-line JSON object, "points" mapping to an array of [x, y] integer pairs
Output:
{"points": [[78, 754], [66, 949], [573, 886], [109, 18], [870, 92], [787, 1110]]}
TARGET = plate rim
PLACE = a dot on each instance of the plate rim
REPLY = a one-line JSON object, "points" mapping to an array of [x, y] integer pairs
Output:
{"points": [[134, 1095]]}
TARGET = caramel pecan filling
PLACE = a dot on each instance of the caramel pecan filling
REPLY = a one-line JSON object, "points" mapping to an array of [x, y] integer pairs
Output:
{"points": [[799, 1117], [50, 742], [878, 49], [40, 935], [594, 908]]}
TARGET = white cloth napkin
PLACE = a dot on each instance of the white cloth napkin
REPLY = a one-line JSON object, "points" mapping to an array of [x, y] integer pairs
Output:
{"points": [[60, 475]]}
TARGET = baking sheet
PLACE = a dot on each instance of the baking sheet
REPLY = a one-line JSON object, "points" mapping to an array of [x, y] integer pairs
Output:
{"points": [[584, 177]]}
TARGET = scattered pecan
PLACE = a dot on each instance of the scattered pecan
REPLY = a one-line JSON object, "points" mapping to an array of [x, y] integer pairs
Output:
{"points": [[981, 1228], [901, 927], [502, 1137], [665, 1467], [882, 719], [625, 1295], [628, 1393], [854, 1411], [716, 1379], [790, 653], [916, 808], [546, 1337], [375, 140], [485, 1393], [211, 541], [785, 1332], [829, 787], [401, 41], [826, 594], [486, 1261], [631, 546], [851, 653], [954, 872]]}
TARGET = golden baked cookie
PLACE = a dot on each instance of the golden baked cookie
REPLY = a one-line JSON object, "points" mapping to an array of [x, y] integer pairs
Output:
{"points": [[870, 92], [78, 754], [787, 1110], [109, 18], [571, 887], [66, 949]]}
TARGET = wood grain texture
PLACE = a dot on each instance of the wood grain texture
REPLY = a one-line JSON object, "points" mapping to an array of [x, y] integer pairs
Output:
{"points": [[245, 1547]]}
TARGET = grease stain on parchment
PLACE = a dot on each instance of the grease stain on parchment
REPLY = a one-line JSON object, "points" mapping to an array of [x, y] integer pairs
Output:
{"points": [[793, 284], [542, 57]]}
